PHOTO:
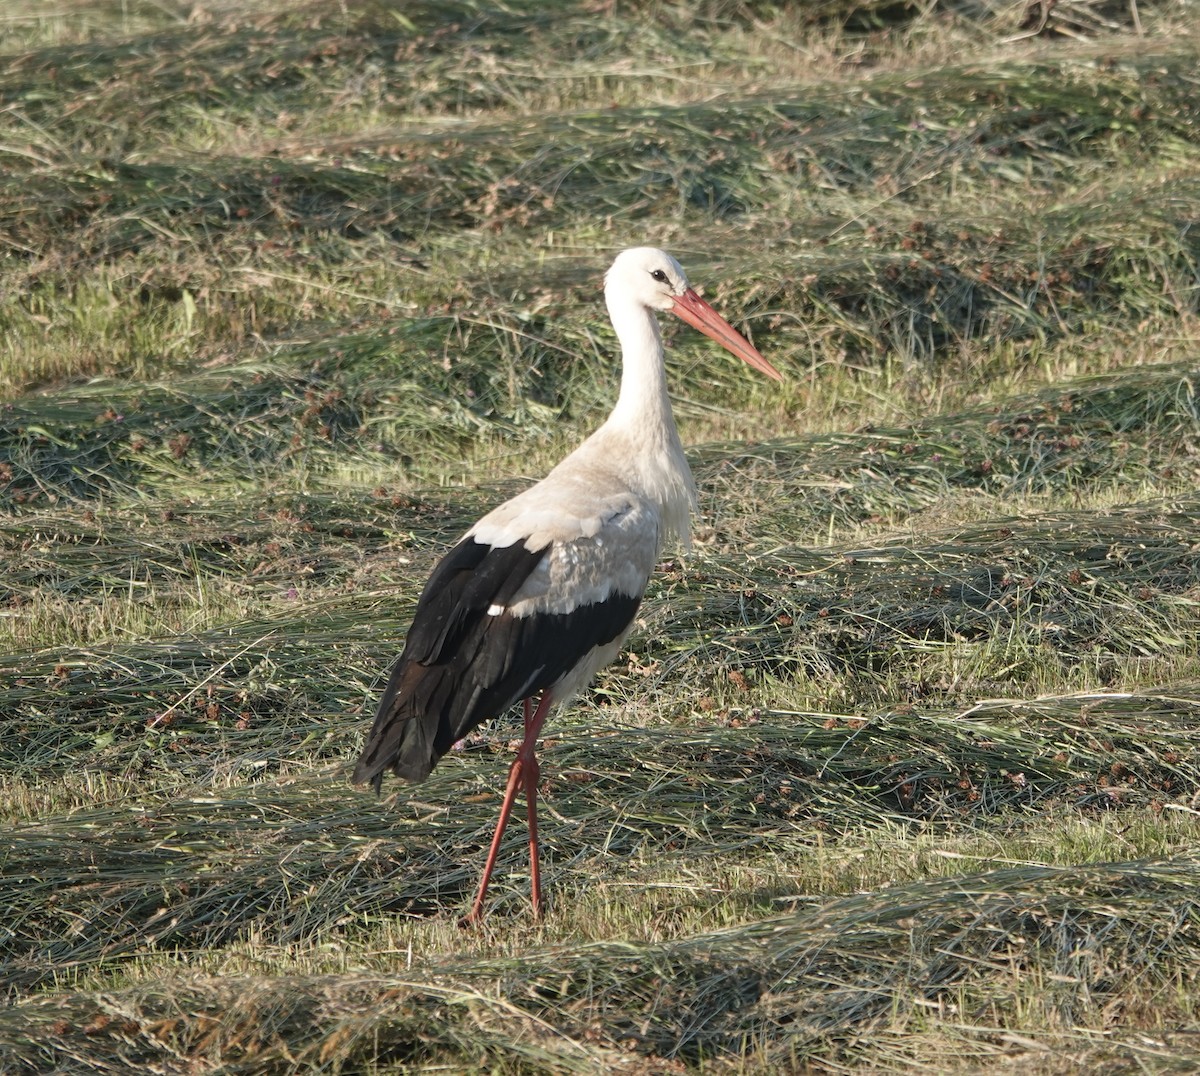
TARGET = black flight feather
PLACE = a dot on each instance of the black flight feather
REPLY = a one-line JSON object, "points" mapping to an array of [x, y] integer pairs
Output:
{"points": [[461, 665]]}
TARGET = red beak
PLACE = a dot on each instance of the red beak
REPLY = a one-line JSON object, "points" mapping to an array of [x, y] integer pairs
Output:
{"points": [[697, 313]]}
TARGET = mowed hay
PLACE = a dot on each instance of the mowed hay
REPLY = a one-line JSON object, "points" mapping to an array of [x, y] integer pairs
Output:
{"points": [[834, 984], [986, 608], [897, 769], [299, 859]]}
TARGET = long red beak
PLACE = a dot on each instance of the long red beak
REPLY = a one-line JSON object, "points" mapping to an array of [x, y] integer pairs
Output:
{"points": [[697, 313]]}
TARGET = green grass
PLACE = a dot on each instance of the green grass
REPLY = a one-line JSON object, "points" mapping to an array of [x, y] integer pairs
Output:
{"points": [[898, 768]]}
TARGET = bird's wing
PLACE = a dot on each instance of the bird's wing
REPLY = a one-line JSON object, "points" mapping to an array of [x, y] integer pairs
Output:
{"points": [[607, 548], [528, 595]]}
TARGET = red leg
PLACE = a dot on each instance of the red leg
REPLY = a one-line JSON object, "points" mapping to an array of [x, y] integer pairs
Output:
{"points": [[525, 771], [531, 772], [510, 793]]}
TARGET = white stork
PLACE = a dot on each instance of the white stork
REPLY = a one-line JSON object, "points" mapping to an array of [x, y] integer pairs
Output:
{"points": [[541, 592]]}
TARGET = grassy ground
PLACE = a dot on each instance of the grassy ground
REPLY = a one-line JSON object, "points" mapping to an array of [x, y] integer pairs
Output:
{"points": [[899, 768]]}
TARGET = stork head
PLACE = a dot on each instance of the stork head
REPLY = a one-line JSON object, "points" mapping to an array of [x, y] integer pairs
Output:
{"points": [[651, 278], [648, 276]]}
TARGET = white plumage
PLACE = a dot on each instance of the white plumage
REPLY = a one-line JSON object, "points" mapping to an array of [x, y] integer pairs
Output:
{"points": [[541, 592]]}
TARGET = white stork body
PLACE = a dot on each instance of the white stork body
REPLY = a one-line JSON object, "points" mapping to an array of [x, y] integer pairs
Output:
{"points": [[541, 592]]}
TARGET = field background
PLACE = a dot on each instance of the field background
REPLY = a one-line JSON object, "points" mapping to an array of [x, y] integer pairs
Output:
{"points": [[900, 767]]}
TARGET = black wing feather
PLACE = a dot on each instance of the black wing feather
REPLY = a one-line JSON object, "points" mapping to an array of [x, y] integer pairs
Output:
{"points": [[461, 665]]}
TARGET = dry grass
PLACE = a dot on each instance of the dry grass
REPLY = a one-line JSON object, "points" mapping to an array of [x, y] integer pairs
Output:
{"points": [[853, 981], [898, 770]]}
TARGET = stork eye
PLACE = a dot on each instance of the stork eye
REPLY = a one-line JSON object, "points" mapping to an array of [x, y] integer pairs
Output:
{"points": [[659, 275]]}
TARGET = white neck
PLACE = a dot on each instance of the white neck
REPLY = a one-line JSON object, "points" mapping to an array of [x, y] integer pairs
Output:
{"points": [[643, 400], [643, 417]]}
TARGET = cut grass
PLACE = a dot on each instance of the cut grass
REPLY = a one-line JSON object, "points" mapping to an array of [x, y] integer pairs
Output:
{"points": [[300, 858], [936, 204], [898, 769], [394, 413], [866, 979], [1067, 599]]}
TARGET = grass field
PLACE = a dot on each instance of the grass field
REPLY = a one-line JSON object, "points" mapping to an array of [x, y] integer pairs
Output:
{"points": [[900, 769]]}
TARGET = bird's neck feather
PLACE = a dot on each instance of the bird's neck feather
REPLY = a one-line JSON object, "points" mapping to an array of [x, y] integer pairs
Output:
{"points": [[643, 400], [643, 420]]}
